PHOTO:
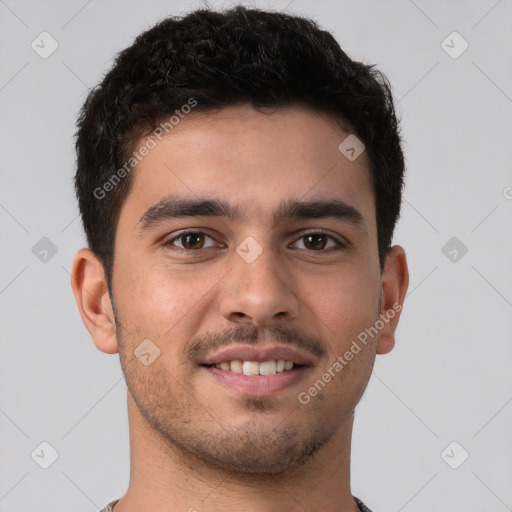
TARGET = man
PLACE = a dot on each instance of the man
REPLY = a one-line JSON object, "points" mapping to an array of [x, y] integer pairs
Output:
{"points": [[239, 179]]}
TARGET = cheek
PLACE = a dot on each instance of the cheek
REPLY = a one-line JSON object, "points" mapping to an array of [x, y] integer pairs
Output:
{"points": [[348, 306], [346, 300], [145, 298], [156, 300]]}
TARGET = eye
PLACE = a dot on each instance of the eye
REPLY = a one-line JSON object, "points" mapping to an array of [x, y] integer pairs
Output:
{"points": [[190, 240], [317, 241], [194, 241]]}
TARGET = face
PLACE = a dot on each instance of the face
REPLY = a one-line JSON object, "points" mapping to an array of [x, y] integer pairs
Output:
{"points": [[256, 281]]}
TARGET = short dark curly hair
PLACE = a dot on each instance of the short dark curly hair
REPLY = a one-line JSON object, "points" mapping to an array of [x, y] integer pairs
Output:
{"points": [[237, 56]]}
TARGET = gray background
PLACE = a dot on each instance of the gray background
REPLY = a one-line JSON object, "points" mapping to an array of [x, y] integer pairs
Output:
{"points": [[449, 377]]}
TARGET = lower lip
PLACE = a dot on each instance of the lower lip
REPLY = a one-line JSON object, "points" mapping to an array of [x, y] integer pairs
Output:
{"points": [[259, 385]]}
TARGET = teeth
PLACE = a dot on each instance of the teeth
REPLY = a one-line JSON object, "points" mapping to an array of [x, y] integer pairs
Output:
{"points": [[255, 368], [251, 368], [237, 366], [268, 368]]}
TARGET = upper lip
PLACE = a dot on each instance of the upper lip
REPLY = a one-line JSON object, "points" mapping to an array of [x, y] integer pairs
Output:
{"points": [[259, 354]]}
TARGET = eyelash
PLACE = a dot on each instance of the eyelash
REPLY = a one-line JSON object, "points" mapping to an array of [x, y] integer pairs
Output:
{"points": [[169, 241]]}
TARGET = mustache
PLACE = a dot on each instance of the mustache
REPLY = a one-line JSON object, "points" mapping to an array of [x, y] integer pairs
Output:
{"points": [[209, 342]]}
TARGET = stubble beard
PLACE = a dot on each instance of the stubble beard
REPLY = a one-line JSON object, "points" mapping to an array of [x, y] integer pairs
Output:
{"points": [[190, 430]]}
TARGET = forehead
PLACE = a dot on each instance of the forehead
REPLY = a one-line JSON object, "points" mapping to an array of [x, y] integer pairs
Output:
{"points": [[252, 159]]}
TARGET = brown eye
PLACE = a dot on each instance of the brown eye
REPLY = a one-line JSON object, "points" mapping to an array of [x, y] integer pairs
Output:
{"points": [[189, 241], [318, 241], [192, 241]]}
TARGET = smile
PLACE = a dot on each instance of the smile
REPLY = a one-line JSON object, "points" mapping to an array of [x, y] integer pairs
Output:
{"points": [[255, 368]]}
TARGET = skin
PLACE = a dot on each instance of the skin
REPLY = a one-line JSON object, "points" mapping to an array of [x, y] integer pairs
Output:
{"points": [[195, 443]]}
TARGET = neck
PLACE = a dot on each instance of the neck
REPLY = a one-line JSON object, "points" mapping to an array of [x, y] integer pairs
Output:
{"points": [[164, 479]]}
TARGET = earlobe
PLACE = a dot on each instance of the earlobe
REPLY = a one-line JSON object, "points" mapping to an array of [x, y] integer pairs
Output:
{"points": [[395, 281], [91, 294]]}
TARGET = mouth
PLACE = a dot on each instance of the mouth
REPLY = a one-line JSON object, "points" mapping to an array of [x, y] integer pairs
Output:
{"points": [[264, 368], [258, 370]]}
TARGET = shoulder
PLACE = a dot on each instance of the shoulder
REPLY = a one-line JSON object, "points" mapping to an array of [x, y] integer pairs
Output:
{"points": [[109, 507], [361, 505]]}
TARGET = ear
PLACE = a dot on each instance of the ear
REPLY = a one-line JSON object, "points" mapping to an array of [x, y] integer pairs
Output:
{"points": [[395, 280], [91, 294]]}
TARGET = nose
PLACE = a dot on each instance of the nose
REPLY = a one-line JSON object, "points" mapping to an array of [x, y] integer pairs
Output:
{"points": [[259, 292]]}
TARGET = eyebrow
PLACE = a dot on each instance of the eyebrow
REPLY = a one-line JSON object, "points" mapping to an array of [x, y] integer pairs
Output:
{"points": [[172, 207]]}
